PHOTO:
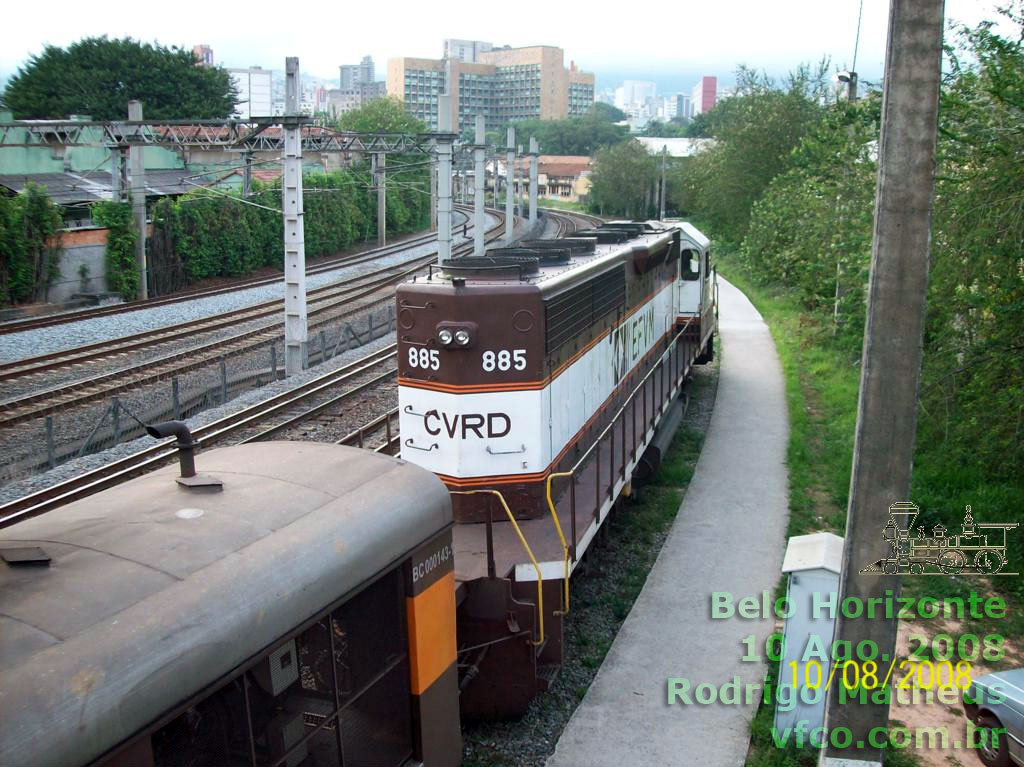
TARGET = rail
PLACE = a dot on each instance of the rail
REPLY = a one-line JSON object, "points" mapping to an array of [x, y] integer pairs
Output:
{"points": [[678, 371], [522, 539]]}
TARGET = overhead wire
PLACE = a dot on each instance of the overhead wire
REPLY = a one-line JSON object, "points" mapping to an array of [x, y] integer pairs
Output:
{"points": [[856, 41]]}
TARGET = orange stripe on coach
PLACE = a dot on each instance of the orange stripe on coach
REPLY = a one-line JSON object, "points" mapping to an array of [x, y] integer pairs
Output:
{"points": [[431, 620]]}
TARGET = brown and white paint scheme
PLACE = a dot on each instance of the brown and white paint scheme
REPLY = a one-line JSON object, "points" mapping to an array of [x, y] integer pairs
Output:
{"points": [[477, 425]]}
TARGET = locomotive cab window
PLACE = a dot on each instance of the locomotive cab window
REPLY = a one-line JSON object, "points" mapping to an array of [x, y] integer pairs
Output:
{"points": [[690, 267]]}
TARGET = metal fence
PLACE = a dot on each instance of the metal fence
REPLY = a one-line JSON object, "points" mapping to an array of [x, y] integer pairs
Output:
{"points": [[205, 389]]}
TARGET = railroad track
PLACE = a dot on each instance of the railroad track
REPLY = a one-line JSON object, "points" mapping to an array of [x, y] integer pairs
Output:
{"points": [[331, 303], [327, 265], [287, 410]]}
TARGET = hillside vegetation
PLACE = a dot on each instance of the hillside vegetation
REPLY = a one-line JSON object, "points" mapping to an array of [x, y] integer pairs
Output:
{"points": [[787, 192]]}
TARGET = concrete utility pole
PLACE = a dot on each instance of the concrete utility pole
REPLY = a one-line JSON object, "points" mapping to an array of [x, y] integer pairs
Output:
{"points": [[444, 179], [247, 174], [494, 183], [891, 362], [661, 197], [479, 187], [534, 153], [510, 164], [137, 162], [380, 180], [295, 326], [119, 172], [433, 187], [519, 182]]}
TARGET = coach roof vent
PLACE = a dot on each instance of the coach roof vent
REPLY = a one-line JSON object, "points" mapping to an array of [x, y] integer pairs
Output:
{"points": [[186, 455]]}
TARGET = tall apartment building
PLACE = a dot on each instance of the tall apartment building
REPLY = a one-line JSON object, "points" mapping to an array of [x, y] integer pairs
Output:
{"points": [[354, 75], [504, 85], [703, 94], [254, 87], [357, 87], [676, 105], [465, 50]]}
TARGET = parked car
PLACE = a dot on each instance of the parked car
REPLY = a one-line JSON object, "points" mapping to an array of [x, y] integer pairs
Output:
{"points": [[995, 703]]}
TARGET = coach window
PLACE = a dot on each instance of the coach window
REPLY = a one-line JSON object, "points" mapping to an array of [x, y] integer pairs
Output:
{"points": [[690, 265], [350, 667]]}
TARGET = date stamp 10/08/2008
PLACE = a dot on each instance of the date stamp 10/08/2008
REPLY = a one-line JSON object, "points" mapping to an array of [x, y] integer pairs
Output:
{"points": [[937, 668]]}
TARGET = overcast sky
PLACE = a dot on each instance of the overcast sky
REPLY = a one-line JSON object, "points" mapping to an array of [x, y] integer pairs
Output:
{"points": [[671, 42]]}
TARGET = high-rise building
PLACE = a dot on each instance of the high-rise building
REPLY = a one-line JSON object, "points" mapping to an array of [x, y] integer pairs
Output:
{"points": [[254, 87], [354, 75], [504, 84], [703, 94], [465, 50], [676, 105], [357, 87], [203, 54], [635, 93]]}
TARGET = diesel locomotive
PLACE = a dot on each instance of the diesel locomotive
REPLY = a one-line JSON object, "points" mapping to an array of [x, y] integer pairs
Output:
{"points": [[533, 381]]}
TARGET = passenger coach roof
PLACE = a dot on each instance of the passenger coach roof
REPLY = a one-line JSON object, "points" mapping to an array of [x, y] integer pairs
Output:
{"points": [[154, 591]]}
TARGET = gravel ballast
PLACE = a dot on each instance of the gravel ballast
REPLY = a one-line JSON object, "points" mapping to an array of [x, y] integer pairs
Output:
{"points": [[30, 343], [75, 466]]}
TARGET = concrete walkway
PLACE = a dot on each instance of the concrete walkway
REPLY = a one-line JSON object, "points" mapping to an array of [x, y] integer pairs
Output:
{"points": [[729, 537]]}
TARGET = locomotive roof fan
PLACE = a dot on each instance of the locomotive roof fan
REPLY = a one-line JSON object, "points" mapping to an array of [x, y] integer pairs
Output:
{"points": [[496, 267], [605, 236]]}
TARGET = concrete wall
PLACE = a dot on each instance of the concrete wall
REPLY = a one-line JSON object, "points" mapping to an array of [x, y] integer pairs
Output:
{"points": [[81, 246]]}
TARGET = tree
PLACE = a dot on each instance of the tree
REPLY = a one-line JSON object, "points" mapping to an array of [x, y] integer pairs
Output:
{"points": [[698, 126], [671, 129], [756, 131], [572, 136], [607, 112], [623, 181], [973, 378], [98, 77], [383, 115]]}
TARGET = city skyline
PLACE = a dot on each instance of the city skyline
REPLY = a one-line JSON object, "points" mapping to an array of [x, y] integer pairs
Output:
{"points": [[812, 30]]}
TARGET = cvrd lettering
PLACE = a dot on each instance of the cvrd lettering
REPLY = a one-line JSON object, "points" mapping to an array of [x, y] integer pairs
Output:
{"points": [[483, 425]]}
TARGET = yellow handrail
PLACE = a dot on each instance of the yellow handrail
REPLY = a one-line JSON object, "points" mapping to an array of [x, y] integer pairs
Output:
{"points": [[529, 553], [561, 535]]}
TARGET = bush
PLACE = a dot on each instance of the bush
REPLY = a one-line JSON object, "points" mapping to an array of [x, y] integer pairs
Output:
{"points": [[29, 255], [200, 235], [122, 266]]}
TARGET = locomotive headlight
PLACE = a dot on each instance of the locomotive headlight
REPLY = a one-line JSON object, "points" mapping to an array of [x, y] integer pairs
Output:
{"points": [[462, 337], [444, 335]]}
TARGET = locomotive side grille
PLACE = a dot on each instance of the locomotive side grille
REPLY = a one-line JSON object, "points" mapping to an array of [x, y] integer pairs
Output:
{"points": [[572, 312], [567, 314], [609, 293]]}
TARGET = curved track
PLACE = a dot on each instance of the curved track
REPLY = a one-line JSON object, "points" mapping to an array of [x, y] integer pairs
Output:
{"points": [[285, 412]]}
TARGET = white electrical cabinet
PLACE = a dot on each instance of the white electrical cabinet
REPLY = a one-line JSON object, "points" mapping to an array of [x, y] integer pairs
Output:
{"points": [[813, 563]]}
